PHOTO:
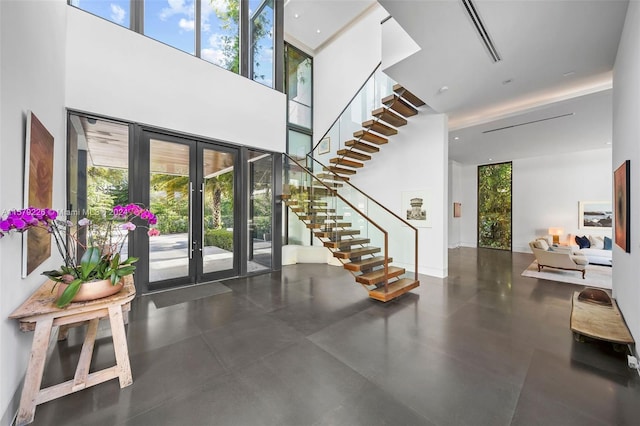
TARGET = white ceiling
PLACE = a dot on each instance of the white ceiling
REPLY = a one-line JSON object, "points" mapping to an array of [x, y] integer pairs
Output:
{"points": [[556, 51]]}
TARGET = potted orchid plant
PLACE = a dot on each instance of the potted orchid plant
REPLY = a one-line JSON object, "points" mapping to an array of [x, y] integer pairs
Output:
{"points": [[102, 241]]}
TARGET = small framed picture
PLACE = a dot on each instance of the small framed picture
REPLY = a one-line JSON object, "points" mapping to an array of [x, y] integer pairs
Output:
{"points": [[457, 209], [324, 146]]}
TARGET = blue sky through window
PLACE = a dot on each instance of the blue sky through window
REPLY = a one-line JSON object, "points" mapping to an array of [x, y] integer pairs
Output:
{"points": [[171, 22], [117, 11]]}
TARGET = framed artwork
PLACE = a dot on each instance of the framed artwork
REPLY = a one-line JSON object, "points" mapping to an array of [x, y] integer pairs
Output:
{"points": [[416, 208], [622, 206], [38, 191], [595, 215], [324, 145], [457, 209]]}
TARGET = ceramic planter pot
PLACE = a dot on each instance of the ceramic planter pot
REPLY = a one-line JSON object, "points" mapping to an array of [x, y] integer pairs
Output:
{"points": [[93, 290]]}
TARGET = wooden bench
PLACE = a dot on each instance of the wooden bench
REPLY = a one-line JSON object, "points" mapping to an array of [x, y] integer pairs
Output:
{"points": [[40, 314]]}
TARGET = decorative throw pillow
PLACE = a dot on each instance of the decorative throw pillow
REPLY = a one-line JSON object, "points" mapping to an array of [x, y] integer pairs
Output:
{"points": [[596, 242], [542, 243], [583, 242], [607, 243]]}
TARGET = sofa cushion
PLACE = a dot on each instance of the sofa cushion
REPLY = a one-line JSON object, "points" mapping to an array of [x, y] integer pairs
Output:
{"points": [[607, 243], [542, 244], [583, 242], [596, 242], [580, 260]]}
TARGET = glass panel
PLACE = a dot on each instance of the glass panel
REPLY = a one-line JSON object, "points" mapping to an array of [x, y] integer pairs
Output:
{"points": [[262, 51], [299, 145], [299, 87], [494, 206], [260, 211], [169, 195], [220, 37], [117, 11], [171, 22], [217, 208], [98, 176]]}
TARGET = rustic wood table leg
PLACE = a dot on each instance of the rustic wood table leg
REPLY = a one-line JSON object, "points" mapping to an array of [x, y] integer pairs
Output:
{"points": [[84, 363], [35, 369], [120, 346]]}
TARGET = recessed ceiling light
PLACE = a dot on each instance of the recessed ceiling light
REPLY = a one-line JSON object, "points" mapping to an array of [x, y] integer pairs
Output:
{"points": [[456, 138], [568, 73], [318, 31], [443, 89], [295, 15], [608, 143], [508, 81], [490, 159]]}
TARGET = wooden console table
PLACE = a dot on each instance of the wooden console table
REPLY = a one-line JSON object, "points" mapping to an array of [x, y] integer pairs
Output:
{"points": [[40, 314]]}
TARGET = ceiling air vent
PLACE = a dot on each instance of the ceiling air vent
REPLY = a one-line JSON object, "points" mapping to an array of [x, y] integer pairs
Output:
{"points": [[480, 28], [528, 122]]}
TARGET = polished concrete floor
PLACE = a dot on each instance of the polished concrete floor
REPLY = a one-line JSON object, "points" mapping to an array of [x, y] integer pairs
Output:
{"points": [[305, 346]]}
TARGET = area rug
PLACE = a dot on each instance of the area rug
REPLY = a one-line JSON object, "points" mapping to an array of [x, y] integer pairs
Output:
{"points": [[596, 275]]}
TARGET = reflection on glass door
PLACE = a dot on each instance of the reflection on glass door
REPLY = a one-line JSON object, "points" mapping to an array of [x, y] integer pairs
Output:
{"points": [[217, 189], [260, 211], [169, 253]]}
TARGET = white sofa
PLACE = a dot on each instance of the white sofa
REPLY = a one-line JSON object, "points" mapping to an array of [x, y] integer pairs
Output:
{"points": [[557, 257], [596, 253]]}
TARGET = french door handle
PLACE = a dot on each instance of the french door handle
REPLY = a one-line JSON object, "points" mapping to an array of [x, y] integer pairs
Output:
{"points": [[202, 218], [191, 220]]}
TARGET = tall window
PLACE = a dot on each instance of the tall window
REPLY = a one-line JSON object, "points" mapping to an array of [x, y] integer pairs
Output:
{"points": [[262, 43], [494, 206], [242, 36], [220, 33], [299, 86]]}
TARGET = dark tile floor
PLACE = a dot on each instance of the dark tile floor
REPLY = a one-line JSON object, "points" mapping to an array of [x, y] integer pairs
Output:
{"points": [[305, 346]]}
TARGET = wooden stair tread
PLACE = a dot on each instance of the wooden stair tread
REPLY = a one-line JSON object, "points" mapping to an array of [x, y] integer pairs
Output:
{"points": [[399, 105], [377, 276], [327, 226], [336, 234], [346, 162], [347, 242], [366, 135], [408, 95], [348, 254], [353, 154], [362, 146], [331, 176], [388, 116], [341, 170], [395, 289], [365, 264], [380, 127], [320, 219]]}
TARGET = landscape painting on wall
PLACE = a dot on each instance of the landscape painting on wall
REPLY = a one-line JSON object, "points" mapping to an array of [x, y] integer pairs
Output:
{"points": [[621, 182], [38, 190], [595, 214]]}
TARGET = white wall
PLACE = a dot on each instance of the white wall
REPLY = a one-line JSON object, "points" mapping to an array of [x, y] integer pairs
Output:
{"points": [[626, 146], [455, 196], [546, 193], [32, 79], [341, 67], [119, 73], [415, 159]]}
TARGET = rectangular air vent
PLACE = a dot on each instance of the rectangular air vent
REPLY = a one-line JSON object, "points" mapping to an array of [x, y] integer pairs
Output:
{"points": [[528, 122], [481, 30]]}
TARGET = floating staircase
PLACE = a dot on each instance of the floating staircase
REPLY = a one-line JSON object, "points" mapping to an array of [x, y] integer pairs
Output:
{"points": [[376, 132], [318, 196]]}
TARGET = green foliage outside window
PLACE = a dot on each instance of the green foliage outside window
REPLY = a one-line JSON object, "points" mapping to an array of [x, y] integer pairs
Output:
{"points": [[494, 206]]}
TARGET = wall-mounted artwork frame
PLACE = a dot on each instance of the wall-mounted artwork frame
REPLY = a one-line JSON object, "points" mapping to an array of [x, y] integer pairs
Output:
{"points": [[324, 146], [416, 208], [38, 190], [595, 215], [622, 206]]}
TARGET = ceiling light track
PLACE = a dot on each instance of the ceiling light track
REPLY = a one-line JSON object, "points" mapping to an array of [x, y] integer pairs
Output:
{"points": [[482, 32], [529, 122]]}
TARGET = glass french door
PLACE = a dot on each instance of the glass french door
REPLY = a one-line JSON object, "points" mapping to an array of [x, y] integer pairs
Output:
{"points": [[192, 190]]}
